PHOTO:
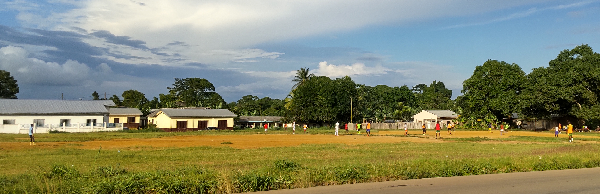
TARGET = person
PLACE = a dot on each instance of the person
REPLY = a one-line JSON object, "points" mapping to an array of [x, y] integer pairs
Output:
{"points": [[424, 129], [294, 127], [490, 127], [450, 128], [501, 129], [305, 126], [368, 129], [559, 126], [405, 129], [598, 128], [358, 127], [437, 130], [284, 126], [266, 127], [556, 131], [31, 139], [346, 127], [337, 127], [570, 132]]}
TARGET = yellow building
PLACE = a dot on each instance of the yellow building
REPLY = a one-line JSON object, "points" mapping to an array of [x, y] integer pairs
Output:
{"points": [[191, 119], [130, 117]]}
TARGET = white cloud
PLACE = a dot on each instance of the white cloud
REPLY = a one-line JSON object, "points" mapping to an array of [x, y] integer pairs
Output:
{"points": [[331, 70], [35, 71]]}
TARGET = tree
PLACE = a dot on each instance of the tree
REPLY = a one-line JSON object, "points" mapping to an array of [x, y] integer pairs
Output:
{"points": [[493, 90], [568, 87], [433, 97], [168, 100], [116, 100], [302, 75], [322, 100], [196, 92], [134, 99], [8, 85], [95, 96]]}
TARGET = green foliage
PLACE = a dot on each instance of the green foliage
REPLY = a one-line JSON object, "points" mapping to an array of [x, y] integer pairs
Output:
{"points": [[95, 96], [322, 100], [8, 85], [383, 102], [493, 91], [194, 92], [135, 99], [253, 106], [569, 87], [433, 97]]}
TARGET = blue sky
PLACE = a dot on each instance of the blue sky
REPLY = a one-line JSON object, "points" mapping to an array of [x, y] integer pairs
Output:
{"points": [[254, 47]]}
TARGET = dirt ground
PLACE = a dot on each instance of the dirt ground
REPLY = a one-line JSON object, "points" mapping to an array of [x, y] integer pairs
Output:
{"points": [[273, 140]]}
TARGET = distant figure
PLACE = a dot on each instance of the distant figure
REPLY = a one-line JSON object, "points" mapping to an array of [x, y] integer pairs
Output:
{"points": [[294, 127], [368, 129], [501, 129], [346, 127], [570, 132], [337, 127], [358, 127], [266, 127], [490, 127], [305, 126], [405, 129], [450, 126], [424, 129], [437, 130], [31, 139], [285, 126], [556, 131]]}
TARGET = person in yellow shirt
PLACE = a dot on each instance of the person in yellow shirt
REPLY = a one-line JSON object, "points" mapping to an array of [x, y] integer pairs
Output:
{"points": [[570, 132]]}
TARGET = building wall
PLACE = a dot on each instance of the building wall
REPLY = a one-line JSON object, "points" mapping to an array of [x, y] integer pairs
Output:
{"points": [[164, 122], [123, 118], [50, 121], [424, 116]]}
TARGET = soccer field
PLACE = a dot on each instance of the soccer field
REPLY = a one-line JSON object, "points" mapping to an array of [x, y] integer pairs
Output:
{"points": [[225, 162]]}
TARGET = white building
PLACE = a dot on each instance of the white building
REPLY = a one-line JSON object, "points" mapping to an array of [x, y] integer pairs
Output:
{"points": [[60, 115], [430, 117]]}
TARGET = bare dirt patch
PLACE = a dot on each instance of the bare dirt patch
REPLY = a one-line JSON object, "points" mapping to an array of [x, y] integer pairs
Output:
{"points": [[272, 140]]}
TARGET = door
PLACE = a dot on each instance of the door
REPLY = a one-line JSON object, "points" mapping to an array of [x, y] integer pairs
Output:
{"points": [[222, 124], [202, 125], [181, 124]]}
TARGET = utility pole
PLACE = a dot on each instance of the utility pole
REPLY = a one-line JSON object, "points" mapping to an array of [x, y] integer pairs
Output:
{"points": [[350, 109]]}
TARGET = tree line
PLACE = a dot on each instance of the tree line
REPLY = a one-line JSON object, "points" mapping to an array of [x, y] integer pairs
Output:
{"points": [[568, 88]]}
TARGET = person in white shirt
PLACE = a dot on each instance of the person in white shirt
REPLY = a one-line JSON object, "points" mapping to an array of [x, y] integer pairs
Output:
{"points": [[337, 128]]}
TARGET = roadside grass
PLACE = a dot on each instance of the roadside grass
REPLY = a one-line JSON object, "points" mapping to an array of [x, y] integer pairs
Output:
{"points": [[227, 170]]}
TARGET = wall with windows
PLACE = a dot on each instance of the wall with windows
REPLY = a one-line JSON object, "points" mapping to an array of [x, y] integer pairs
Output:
{"points": [[20, 124], [124, 118], [162, 121]]}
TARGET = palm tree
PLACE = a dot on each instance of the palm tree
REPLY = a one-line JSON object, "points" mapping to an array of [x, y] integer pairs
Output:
{"points": [[302, 76]]}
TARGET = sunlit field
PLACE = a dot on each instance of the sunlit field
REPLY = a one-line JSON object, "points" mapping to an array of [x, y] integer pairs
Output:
{"points": [[250, 160]]}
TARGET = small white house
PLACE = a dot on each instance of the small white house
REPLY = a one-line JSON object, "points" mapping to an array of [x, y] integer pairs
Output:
{"points": [[61, 115], [430, 117]]}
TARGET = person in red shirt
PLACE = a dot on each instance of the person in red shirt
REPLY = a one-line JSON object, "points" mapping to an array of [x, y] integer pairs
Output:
{"points": [[437, 130], [266, 127]]}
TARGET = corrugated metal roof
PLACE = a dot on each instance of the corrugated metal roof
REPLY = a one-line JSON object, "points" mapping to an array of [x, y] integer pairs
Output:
{"points": [[19, 106], [198, 112], [443, 113], [124, 111]]}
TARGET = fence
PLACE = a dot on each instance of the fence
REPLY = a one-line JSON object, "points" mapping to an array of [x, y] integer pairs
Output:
{"points": [[72, 128]]}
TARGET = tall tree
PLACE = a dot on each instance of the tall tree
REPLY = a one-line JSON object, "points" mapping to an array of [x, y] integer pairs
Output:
{"points": [[8, 85], [95, 96], [196, 92], [302, 75], [568, 87], [493, 90], [322, 100], [433, 97], [134, 99], [116, 100]]}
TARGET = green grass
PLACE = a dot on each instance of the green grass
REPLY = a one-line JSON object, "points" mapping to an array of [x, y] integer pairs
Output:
{"points": [[225, 169]]}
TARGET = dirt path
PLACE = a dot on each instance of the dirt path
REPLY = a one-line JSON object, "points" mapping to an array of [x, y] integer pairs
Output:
{"points": [[271, 140]]}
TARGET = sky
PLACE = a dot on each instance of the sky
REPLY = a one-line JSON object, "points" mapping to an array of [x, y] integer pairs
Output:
{"points": [[67, 49]]}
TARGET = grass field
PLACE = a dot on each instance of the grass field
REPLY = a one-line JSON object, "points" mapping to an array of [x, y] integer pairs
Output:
{"points": [[249, 160]]}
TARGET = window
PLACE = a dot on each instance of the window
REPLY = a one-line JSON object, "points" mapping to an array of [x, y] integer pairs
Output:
{"points": [[202, 125], [8, 121], [130, 119], [222, 124], [65, 122], [181, 124], [38, 122], [90, 122], [116, 120]]}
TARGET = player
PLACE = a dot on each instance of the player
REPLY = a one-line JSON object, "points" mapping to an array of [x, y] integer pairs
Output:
{"points": [[424, 129], [450, 128], [405, 129], [437, 130], [556, 131], [501, 129], [305, 126], [294, 127], [368, 129], [570, 132], [337, 127], [490, 127], [266, 127], [358, 127]]}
